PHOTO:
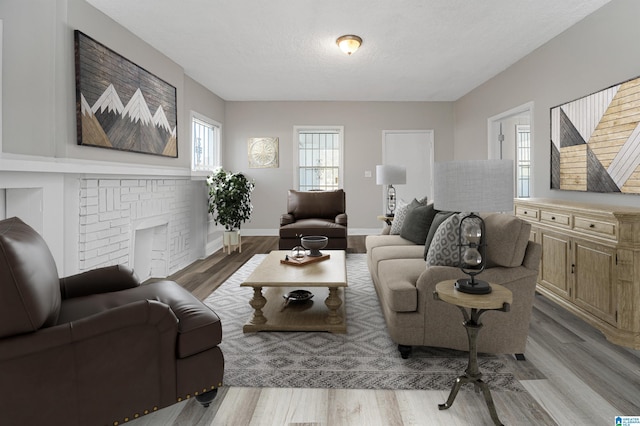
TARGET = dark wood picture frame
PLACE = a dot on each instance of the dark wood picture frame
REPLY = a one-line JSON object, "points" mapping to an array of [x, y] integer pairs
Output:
{"points": [[595, 141], [120, 105]]}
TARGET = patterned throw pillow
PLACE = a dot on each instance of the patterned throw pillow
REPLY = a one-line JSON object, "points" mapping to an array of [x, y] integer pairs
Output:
{"points": [[400, 216], [443, 250], [438, 219]]}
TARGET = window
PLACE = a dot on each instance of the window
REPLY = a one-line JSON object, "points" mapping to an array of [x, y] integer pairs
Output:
{"points": [[319, 157], [523, 160], [205, 143]]}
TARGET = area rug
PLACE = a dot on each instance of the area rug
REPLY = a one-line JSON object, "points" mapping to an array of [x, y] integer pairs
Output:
{"points": [[363, 358]]}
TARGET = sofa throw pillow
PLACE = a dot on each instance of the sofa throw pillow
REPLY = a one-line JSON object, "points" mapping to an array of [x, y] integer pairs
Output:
{"points": [[444, 246], [506, 237], [400, 215], [439, 217], [417, 223]]}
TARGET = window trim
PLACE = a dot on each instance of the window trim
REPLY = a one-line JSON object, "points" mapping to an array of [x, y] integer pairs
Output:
{"points": [[217, 149], [518, 160], [296, 163]]}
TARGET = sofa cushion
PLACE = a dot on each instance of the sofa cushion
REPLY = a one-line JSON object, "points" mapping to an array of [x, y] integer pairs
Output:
{"points": [[410, 251], [506, 237], [417, 223], [443, 250], [373, 241], [438, 219], [302, 227]]}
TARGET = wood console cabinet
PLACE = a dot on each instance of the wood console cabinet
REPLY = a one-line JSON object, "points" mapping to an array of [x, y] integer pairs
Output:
{"points": [[590, 262]]}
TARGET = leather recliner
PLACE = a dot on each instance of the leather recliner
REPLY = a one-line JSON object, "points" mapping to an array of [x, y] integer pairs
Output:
{"points": [[96, 348], [314, 213]]}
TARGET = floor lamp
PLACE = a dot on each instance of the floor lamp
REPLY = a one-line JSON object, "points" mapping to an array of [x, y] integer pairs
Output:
{"points": [[391, 175], [473, 187]]}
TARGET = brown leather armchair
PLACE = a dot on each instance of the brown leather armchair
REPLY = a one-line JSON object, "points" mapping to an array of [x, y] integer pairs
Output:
{"points": [[96, 348], [314, 213]]}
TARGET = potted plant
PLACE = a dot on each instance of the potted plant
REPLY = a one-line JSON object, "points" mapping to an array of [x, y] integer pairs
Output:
{"points": [[230, 203]]}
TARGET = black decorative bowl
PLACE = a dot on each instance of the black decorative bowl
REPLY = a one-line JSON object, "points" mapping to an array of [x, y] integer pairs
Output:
{"points": [[314, 244]]}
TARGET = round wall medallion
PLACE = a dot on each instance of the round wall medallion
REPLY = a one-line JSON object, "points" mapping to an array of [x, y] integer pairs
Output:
{"points": [[263, 152]]}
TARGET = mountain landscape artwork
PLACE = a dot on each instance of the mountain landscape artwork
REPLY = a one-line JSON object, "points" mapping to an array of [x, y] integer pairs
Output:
{"points": [[120, 105], [595, 141]]}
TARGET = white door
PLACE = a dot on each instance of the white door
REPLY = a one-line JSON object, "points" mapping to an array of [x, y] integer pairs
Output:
{"points": [[412, 149]]}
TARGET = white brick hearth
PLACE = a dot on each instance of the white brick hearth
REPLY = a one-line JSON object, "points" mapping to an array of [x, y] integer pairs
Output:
{"points": [[112, 210]]}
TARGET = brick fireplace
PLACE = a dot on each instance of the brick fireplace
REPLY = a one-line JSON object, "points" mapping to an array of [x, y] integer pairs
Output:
{"points": [[125, 219], [97, 214]]}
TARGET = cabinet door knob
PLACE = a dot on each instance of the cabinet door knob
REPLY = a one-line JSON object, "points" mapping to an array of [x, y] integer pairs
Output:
{"points": [[591, 225], [553, 218]]}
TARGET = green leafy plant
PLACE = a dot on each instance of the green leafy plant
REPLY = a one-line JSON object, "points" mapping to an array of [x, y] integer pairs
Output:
{"points": [[229, 198]]}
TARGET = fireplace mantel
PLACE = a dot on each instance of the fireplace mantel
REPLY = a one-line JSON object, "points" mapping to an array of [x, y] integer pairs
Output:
{"points": [[37, 164]]}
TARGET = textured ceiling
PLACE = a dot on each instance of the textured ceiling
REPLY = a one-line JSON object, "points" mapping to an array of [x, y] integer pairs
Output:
{"points": [[413, 50]]}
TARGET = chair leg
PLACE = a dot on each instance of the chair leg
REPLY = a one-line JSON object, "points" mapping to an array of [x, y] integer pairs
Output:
{"points": [[206, 398], [520, 357], [405, 351]]}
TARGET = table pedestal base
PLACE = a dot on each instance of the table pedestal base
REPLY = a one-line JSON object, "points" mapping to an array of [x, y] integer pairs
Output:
{"points": [[472, 374]]}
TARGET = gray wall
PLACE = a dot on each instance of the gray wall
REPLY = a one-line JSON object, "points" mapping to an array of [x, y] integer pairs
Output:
{"points": [[39, 81], [363, 125], [39, 103], [39, 118], [199, 99], [596, 53]]}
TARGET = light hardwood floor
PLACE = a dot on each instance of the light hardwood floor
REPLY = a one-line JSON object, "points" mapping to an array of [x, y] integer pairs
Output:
{"points": [[573, 376]]}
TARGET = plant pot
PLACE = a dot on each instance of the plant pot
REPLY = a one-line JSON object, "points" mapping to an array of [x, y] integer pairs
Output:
{"points": [[231, 240]]}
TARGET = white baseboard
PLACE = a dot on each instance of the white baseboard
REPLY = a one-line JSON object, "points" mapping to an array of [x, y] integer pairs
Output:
{"points": [[274, 232], [213, 246]]}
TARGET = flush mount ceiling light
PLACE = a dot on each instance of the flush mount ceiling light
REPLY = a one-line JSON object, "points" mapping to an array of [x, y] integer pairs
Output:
{"points": [[349, 43]]}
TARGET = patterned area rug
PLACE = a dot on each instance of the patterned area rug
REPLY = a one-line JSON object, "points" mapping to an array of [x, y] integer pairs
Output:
{"points": [[363, 358]]}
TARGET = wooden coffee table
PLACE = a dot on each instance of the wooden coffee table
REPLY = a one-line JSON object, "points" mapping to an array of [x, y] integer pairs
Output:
{"points": [[326, 280]]}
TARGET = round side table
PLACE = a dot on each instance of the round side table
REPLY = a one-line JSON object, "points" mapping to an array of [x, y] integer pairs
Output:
{"points": [[386, 219], [499, 299]]}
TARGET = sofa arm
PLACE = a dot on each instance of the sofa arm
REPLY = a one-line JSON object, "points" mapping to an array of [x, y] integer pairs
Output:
{"points": [[125, 356], [341, 219], [497, 275], [92, 329], [433, 275], [286, 219], [532, 256], [101, 280]]}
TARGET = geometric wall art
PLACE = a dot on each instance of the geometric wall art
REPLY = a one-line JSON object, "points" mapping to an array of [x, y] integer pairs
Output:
{"points": [[595, 141], [120, 105]]}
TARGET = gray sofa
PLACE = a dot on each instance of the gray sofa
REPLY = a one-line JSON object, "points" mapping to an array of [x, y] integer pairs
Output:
{"points": [[405, 285]]}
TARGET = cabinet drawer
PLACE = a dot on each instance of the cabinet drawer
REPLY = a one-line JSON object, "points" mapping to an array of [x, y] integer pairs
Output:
{"points": [[555, 218], [594, 226], [527, 212]]}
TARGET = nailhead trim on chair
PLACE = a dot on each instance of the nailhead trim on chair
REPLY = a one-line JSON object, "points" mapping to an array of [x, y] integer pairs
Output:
{"points": [[145, 412], [196, 393]]}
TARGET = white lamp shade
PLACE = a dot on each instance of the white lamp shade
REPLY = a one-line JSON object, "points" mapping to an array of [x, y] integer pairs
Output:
{"points": [[474, 186], [391, 175]]}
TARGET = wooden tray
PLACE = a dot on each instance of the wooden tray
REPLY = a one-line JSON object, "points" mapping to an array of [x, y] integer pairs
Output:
{"points": [[306, 260]]}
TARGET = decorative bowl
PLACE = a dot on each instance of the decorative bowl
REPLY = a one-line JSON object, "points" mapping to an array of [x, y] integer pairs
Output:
{"points": [[314, 244]]}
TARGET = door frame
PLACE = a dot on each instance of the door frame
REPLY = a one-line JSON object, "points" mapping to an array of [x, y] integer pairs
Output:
{"points": [[492, 136]]}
